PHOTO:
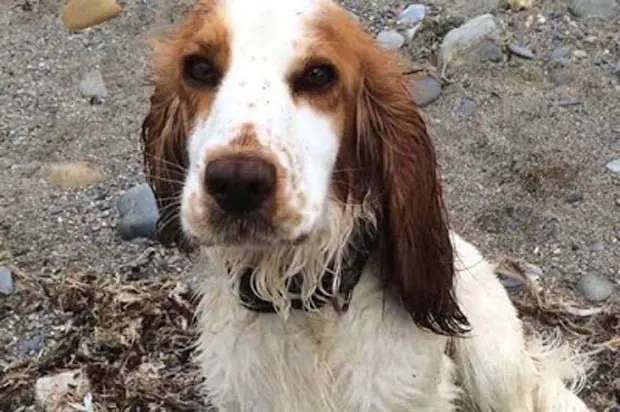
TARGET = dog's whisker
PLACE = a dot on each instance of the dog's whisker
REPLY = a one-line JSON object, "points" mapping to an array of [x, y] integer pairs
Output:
{"points": [[165, 161]]}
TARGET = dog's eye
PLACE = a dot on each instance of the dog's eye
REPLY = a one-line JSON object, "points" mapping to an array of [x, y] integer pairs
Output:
{"points": [[316, 78], [201, 71]]}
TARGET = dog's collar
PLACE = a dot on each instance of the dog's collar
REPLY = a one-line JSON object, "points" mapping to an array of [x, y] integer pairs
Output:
{"points": [[359, 249]]}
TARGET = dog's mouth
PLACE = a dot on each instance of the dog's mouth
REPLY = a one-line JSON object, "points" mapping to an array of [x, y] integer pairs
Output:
{"points": [[251, 231]]}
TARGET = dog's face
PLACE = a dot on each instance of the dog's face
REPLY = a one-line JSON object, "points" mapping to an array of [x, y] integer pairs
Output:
{"points": [[268, 91], [271, 120]]}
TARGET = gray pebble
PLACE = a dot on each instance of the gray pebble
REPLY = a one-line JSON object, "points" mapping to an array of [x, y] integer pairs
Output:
{"points": [[521, 51], [6, 281], [138, 213], [467, 37], [530, 271], [413, 14], [92, 85], [492, 52], [533, 271], [616, 69], [425, 90], [560, 76], [510, 282], [570, 102], [594, 288], [580, 54], [34, 345], [466, 108], [597, 247], [574, 196], [614, 166], [599, 9], [391, 40], [560, 52]]}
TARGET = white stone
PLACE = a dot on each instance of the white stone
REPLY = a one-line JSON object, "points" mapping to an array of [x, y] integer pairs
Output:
{"points": [[413, 13], [92, 85], [466, 37], [50, 390], [391, 40]]}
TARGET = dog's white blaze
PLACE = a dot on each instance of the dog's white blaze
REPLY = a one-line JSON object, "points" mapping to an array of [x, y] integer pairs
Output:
{"points": [[266, 38]]}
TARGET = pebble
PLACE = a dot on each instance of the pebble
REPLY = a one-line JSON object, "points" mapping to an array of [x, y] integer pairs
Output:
{"points": [[580, 54], [597, 247], [413, 13], [72, 174], [599, 9], [34, 345], [390, 40], [50, 389], [560, 53], [560, 76], [614, 166], [570, 102], [530, 271], [521, 51], [492, 52], [595, 288], [616, 69], [6, 281], [520, 4], [510, 282], [425, 90], [80, 14], [574, 197], [92, 85], [462, 39], [138, 213], [466, 108]]}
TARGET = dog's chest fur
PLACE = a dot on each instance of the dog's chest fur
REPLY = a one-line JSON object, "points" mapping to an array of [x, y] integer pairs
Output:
{"points": [[372, 358]]}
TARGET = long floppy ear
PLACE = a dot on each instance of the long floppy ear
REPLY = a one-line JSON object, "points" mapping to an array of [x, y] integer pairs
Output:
{"points": [[398, 155], [164, 145]]}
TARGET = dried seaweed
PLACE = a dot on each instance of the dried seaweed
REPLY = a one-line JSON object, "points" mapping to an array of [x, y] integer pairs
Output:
{"points": [[133, 339]]}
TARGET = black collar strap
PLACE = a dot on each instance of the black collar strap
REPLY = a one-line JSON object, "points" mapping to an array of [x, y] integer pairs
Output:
{"points": [[359, 249]]}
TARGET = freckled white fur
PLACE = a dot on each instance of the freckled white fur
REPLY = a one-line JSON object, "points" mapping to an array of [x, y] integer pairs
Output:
{"points": [[255, 91], [373, 358]]}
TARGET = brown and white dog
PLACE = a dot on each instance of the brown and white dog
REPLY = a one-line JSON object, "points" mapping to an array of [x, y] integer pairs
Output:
{"points": [[282, 141]]}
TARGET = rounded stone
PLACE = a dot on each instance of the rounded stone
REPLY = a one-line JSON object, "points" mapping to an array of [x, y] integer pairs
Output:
{"points": [[595, 288], [425, 90], [138, 213], [390, 40]]}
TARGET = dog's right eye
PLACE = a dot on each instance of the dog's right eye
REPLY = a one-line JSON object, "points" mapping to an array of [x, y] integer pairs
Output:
{"points": [[201, 71]]}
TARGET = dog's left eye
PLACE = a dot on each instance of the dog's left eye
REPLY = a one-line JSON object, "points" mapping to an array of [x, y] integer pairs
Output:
{"points": [[201, 71], [316, 78]]}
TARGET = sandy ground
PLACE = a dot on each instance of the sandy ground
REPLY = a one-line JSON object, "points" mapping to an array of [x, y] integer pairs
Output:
{"points": [[509, 164]]}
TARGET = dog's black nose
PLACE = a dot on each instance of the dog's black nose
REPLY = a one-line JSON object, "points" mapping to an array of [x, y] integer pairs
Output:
{"points": [[240, 184]]}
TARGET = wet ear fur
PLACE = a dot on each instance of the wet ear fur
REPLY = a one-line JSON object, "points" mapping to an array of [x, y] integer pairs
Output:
{"points": [[164, 146], [396, 151]]}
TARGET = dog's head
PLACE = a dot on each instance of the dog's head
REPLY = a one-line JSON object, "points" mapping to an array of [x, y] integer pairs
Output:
{"points": [[277, 122]]}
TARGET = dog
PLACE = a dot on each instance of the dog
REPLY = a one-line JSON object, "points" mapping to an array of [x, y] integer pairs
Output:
{"points": [[282, 142]]}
